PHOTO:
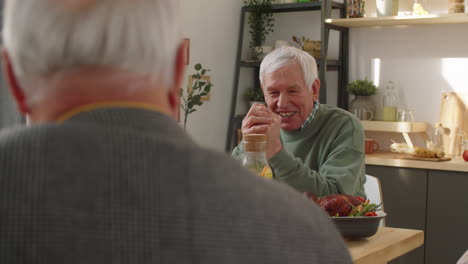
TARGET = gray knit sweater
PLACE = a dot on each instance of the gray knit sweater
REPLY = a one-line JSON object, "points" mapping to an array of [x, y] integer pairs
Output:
{"points": [[123, 185]]}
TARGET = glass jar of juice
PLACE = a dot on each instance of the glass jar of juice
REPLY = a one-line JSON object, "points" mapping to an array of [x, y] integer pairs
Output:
{"points": [[390, 103], [255, 155]]}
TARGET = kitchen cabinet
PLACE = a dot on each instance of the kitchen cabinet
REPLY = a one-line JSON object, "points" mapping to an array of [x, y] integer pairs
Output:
{"points": [[447, 216], [404, 192], [431, 200], [324, 64]]}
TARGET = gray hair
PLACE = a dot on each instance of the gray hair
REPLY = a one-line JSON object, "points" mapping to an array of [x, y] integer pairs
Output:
{"points": [[285, 55], [48, 36]]}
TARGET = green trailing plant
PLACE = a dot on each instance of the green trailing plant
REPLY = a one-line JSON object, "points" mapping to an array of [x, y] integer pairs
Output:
{"points": [[193, 97], [261, 23], [362, 88], [254, 95]]}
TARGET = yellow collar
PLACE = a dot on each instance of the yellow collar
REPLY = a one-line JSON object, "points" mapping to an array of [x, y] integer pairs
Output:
{"points": [[90, 107]]}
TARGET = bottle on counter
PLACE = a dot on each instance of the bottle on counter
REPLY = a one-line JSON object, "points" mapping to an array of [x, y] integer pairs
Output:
{"points": [[390, 103], [438, 137], [255, 155]]}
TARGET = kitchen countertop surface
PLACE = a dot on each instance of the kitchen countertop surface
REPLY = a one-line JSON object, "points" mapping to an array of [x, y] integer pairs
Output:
{"points": [[384, 246], [382, 158]]}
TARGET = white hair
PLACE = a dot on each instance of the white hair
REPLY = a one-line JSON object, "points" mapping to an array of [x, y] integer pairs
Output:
{"points": [[48, 36], [285, 55]]}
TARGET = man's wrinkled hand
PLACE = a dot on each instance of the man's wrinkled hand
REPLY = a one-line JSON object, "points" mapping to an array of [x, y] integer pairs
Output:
{"points": [[261, 120]]}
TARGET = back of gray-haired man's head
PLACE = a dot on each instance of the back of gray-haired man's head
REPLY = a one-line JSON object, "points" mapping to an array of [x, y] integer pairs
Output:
{"points": [[280, 57], [48, 36]]}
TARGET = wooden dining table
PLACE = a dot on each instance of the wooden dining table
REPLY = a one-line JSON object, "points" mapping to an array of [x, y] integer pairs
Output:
{"points": [[387, 244]]}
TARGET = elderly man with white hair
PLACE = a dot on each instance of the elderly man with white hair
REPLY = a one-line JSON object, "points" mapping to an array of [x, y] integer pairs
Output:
{"points": [[104, 174], [313, 147]]}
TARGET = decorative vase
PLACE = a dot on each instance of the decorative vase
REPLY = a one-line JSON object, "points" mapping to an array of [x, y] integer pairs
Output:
{"points": [[355, 8], [387, 7], [260, 52], [363, 107]]}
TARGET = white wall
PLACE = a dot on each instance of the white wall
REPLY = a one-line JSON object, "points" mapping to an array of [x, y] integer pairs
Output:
{"points": [[212, 26], [424, 61]]}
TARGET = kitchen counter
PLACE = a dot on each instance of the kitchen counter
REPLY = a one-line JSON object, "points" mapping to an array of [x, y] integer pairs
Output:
{"points": [[384, 246], [382, 158]]}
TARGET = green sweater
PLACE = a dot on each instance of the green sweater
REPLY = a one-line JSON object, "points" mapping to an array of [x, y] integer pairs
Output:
{"points": [[325, 157]]}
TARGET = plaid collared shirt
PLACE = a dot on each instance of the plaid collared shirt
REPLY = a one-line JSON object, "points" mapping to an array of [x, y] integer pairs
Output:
{"points": [[312, 114]]}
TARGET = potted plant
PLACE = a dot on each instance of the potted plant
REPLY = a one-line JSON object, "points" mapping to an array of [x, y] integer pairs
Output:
{"points": [[362, 105], [254, 95], [199, 89], [261, 23]]}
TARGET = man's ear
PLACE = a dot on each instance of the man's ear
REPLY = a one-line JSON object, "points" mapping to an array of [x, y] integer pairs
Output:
{"points": [[13, 83], [179, 65], [264, 95], [173, 96], [179, 71], [316, 89]]}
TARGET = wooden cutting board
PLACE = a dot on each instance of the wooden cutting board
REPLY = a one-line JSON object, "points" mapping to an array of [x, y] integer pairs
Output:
{"points": [[411, 157], [454, 118]]}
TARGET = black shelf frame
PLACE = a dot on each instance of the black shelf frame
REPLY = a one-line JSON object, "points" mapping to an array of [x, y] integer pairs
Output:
{"points": [[298, 7], [341, 65], [332, 65]]}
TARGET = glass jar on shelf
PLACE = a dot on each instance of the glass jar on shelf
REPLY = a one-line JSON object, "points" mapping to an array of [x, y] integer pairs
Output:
{"points": [[363, 107], [438, 137], [355, 8], [405, 115]]}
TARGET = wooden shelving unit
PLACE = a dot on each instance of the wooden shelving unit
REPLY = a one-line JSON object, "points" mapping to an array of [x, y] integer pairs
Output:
{"points": [[331, 64], [300, 7], [340, 65], [399, 20], [397, 127]]}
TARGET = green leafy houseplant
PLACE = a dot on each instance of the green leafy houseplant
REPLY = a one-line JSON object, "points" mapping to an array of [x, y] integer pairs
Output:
{"points": [[254, 95], [362, 88], [193, 97], [261, 23], [362, 105]]}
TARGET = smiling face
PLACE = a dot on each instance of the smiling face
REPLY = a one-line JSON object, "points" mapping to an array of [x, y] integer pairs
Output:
{"points": [[287, 95]]}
